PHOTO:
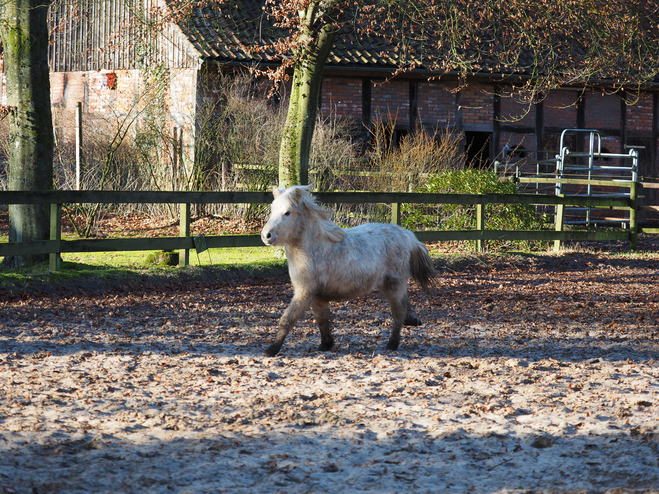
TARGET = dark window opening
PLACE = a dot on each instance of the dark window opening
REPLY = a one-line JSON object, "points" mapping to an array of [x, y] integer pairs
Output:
{"points": [[513, 152], [477, 149], [386, 137], [604, 151], [643, 145], [399, 135]]}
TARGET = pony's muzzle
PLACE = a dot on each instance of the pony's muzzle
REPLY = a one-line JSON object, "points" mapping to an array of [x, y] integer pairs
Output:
{"points": [[268, 237]]}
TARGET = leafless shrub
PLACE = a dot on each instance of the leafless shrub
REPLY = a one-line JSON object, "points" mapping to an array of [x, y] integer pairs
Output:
{"points": [[334, 154], [396, 164], [236, 147], [237, 141]]}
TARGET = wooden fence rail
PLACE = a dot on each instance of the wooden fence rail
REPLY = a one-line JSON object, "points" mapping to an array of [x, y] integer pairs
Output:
{"points": [[184, 242]]}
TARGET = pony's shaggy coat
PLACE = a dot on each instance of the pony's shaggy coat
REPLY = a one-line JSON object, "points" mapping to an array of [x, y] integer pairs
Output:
{"points": [[327, 263]]}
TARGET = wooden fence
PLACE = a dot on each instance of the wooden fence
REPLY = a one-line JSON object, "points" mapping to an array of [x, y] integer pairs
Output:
{"points": [[184, 242]]}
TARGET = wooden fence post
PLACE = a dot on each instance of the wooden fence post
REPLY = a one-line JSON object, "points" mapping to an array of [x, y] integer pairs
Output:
{"points": [[395, 213], [558, 223], [184, 243], [480, 225], [633, 218], [55, 259], [78, 145], [184, 254]]}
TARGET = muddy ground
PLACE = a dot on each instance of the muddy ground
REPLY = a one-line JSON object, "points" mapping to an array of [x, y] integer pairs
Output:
{"points": [[530, 374]]}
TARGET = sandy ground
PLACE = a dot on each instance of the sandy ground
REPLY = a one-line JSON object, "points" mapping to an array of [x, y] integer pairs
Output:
{"points": [[540, 374]]}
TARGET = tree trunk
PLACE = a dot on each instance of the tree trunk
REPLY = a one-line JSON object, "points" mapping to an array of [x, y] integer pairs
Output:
{"points": [[317, 40], [24, 30]]}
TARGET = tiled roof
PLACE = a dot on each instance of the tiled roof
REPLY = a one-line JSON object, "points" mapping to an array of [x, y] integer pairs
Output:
{"points": [[230, 34], [235, 31]]}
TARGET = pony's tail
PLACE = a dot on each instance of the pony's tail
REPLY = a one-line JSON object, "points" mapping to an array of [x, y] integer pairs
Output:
{"points": [[422, 268]]}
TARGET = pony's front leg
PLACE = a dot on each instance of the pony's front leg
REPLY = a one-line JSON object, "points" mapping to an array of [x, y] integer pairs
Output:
{"points": [[291, 316], [321, 313]]}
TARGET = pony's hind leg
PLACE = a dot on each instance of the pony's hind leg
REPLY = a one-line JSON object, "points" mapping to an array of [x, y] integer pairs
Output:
{"points": [[411, 318], [321, 313], [289, 318], [395, 291]]}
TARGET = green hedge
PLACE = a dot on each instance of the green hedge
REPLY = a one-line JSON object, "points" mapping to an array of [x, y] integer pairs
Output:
{"points": [[463, 216]]}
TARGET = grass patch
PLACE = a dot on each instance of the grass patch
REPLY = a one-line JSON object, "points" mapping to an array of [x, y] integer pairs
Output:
{"points": [[228, 258], [100, 270]]}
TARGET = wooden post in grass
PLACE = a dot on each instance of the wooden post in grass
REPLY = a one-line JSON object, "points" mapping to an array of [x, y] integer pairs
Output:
{"points": [[184, 254], [480, 225], [78, 145], [558, 223], [633, 218], [395, 213], [55, 259]]}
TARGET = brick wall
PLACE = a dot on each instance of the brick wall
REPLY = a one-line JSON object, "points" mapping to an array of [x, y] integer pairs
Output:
{"points": [[391, 101], [560, 109], [125, 94], [342, 97], [436, 104], [66, 89], [610, 144], [182, 104], [512, 139], [602, 111], [515, 110], [477, 105], [98, 101], [101, 98], [103, 106], [639, 113]]}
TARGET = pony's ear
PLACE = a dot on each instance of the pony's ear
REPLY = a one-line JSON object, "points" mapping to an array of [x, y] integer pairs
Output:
{"points": [[276, 192], [296, 196]]}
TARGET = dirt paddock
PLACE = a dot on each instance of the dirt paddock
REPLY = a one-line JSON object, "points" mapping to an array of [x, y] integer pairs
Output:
{"points": [[530, 374]]}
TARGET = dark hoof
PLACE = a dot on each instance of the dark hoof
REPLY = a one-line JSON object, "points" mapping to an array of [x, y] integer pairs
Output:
{"points": [[412, 321], [326, 347], [271, 351], [393, 346]]}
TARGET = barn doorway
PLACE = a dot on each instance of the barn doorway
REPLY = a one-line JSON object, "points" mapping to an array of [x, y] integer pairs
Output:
{"points": [[477, 150]]}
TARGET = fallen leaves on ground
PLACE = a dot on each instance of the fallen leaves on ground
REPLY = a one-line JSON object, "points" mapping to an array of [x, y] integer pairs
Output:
{"points": [[530, 373], [144, 225]]}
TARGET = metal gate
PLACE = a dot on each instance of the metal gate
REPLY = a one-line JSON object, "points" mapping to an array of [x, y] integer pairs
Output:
{"points": [[594, 164]]}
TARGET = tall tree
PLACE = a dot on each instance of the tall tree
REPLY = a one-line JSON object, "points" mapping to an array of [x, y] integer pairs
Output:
{"points": [[24, 31], [318, 28]]}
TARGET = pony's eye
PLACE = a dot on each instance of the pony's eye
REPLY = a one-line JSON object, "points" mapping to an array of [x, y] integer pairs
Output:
{"points": [[287, 213]]}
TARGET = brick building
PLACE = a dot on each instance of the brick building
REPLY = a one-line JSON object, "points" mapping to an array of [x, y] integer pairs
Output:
{"points": [[106, 73]]}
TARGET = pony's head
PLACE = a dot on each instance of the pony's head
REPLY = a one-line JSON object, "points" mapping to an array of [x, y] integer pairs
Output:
{"points": [[292, 212]]}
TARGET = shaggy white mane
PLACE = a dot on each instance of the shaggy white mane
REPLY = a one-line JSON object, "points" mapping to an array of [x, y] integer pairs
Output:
{"points": [[309, 202], [323, 217]]}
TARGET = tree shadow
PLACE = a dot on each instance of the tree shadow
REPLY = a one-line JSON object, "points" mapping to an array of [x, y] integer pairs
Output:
{"points": [[331, 459]]}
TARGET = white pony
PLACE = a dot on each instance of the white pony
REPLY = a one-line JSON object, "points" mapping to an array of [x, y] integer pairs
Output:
{"points": [[327, 263]]}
